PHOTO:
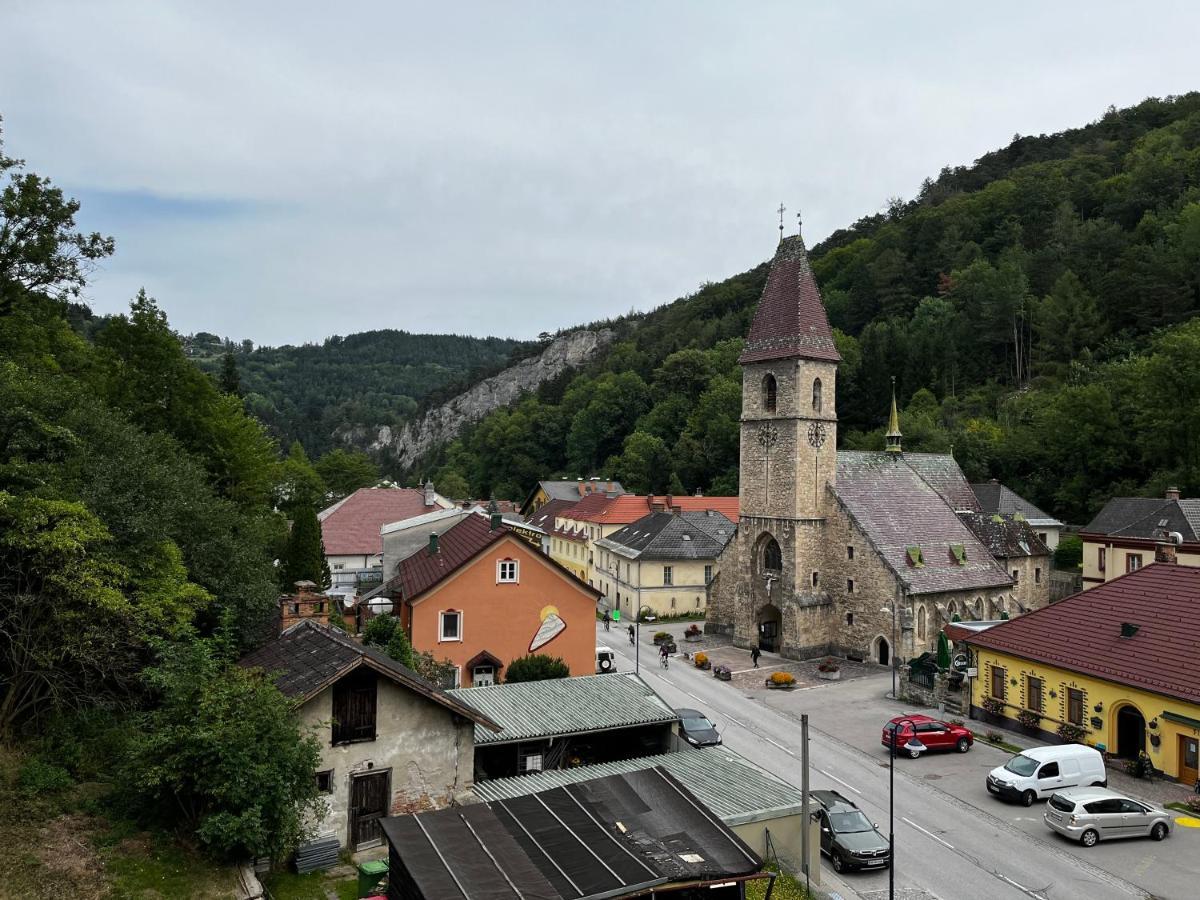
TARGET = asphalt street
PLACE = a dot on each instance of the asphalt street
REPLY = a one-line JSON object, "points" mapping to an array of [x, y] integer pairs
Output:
{"points": [[953, 840]]}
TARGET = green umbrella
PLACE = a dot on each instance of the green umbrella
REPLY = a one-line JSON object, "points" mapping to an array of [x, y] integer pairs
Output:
{"points": [[943, 651]]}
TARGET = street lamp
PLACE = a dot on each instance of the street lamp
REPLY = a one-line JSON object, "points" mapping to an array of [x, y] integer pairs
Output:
{"points": [[914, 746], [892, 650], [637, 641]]}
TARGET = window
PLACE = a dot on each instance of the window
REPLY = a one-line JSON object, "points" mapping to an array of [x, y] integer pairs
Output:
{"points": [[354, 707], [849, 585], [1103, 806], [295, 609], [483, 675], [1100, 558], [531, 761], [772, 556], [451, 626], [707, 574], [998, 682], [325, 782], [816, 395], [1133, 562], [816, 579], [849, 552], [1075, 706], [1049, 770], [697, 603], [506, 571], [668, 575], [1016, 576], [768, 393], [672, 603], [1037, 575], [921, 623], [849, 618], [337, 566], [1042, 536], [1034, 690]]}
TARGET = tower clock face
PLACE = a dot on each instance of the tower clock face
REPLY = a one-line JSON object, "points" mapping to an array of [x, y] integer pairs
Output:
{"points": [[816, 434]]}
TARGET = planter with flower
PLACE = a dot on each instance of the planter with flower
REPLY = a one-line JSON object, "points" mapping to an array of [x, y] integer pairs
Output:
{"points": [[693, 633], [781, 681], [993, 706], [1029, 719], [722, 673], [1069, 733], [829, 670], [660, 636], [700, 660]]}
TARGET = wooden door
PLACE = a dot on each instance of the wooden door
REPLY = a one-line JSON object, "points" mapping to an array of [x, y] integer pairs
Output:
{"points": [[1189, 760], [368, 804]]}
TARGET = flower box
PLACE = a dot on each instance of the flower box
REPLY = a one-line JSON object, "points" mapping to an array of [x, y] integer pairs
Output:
{"points": [[722, 673], [832, 675], [693, 638], [776, 686]]}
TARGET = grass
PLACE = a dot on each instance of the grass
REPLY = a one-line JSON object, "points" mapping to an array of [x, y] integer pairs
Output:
{"points": [[787, 887], [284, 885], [1003, 745]]}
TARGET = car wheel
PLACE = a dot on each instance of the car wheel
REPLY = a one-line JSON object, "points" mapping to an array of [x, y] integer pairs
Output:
{"points": [[913, 754], [1089, 838], [963, 745], [1027, 798], [1158, 832], [838, 865]]}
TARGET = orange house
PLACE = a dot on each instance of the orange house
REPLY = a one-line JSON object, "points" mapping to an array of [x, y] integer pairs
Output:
{"points": [[480, 596]]}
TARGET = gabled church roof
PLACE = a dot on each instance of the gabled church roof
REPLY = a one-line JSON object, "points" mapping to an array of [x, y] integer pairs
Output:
{"points": [[911, 524], [790, 320]]}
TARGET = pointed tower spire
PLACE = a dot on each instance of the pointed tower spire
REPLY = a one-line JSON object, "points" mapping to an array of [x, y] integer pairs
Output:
{"points": [[893, 433]]}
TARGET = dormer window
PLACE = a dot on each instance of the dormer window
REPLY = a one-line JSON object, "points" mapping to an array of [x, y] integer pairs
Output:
{"points": [[816, 397], [769, 390]]}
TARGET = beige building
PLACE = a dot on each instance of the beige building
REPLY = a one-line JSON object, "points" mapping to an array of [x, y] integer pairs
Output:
{"points": [[663, 562], [1129, 532]]}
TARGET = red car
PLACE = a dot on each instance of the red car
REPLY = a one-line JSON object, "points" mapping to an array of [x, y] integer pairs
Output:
{"points": [[934, 734]]}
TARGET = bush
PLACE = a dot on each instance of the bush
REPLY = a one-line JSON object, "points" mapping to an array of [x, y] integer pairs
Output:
{"points": [[993, 705], [660, 636], [536, 667], [958, 723], [693, 629], [782, 678], [1028, 718], [40, 777], [379, 630], [1069, 552], [700, 659], [994, 736], [829, 665]]}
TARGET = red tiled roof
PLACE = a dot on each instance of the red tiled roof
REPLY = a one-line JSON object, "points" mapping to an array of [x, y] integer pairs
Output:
{"points": [[790, 320], [726, 506], [1083, 632], [546, 513], [351, 526], [590, 506], [628, 508]]}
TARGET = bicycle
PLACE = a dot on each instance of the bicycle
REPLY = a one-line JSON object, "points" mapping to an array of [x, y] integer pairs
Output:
{"points": [[664, 660]]}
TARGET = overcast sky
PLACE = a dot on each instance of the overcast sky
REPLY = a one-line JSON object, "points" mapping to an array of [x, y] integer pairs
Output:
{"points": [[286, 171]]}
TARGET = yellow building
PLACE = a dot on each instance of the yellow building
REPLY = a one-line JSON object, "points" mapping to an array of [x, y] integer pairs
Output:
{"points": [[662, 562], [1113, 667], [1131, 531]]}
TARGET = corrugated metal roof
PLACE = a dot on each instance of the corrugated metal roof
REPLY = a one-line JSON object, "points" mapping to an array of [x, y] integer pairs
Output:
{"points": [[561, 706], [730, 785]]}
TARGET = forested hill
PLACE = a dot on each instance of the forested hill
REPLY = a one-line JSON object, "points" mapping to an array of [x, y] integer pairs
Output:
{"points": [[372, 378], [1037, 308]]}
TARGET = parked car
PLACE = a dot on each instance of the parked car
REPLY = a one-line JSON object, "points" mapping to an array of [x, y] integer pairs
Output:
{"points": [[606, 660], [849, 838], [1040, 771], [933, 733], [696, 729], [1094, 814]]}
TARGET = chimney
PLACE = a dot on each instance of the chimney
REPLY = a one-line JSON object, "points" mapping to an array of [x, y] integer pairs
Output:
{"points": [[1172, 493], [306, 603], [656, 505], [429, 493], [699, 493], [677, 510], [497, 520], [433, 543]]}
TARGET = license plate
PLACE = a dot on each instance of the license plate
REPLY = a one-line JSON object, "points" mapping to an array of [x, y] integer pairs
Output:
{"points": [[876, 862]]}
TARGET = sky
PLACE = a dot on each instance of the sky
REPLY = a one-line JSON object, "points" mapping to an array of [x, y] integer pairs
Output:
{"points": [[283, 172]]}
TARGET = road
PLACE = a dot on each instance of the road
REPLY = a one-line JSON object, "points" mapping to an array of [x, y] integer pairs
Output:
{"points": [[953, 841]]}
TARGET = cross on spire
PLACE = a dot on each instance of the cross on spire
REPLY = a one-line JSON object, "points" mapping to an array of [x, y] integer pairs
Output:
{"points": [[799, 222], [782, 209]]}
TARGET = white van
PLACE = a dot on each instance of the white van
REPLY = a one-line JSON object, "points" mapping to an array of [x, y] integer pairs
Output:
{"points": [[1040, 771], [606, 660]]}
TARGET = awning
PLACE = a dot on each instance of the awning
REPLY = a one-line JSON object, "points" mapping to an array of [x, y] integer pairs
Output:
{"points": [[483, 658]]}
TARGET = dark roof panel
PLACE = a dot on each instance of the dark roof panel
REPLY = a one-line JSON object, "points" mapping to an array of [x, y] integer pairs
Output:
{"points": [[1004, 536], [995, 497], [790, 319], [665, 535]]}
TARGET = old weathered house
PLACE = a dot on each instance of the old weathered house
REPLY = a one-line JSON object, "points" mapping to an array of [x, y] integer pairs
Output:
{"points": [[391, 742], [829, 542]]}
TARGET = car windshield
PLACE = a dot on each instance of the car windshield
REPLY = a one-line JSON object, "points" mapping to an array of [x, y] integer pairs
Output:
{"points": [[1022, 765], [698, 724], [850, 822], [1062, 804]]}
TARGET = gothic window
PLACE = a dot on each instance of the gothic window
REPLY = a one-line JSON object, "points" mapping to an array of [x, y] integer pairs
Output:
{"points": [[769, 390], [816, 395], [772, 559], [952, 610], [921, 623]]}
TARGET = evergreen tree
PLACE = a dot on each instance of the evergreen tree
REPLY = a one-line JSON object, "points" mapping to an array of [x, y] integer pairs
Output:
{"points": [[230, 380], [304, 556], [536, 667]]}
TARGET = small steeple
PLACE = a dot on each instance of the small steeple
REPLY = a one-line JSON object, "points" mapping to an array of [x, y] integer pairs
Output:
{"points": [[893, 433], [782, 209]]}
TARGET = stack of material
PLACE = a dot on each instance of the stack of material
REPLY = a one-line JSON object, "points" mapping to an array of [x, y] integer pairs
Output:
{"points": [[321, 853]]}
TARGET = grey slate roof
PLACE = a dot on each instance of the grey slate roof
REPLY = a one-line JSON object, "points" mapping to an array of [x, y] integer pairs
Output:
{"points": [[994, 497], [730, 785], [1147, 518], [888, 497], [942, 473], [1005, 536], [665, 535], [309, 656], [561, 706]]}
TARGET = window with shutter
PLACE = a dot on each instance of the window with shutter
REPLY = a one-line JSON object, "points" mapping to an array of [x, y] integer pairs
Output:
{"points": [[354, 707]]}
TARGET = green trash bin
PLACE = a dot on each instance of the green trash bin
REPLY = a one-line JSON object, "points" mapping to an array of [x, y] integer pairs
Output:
{"points": [[372, 877]]}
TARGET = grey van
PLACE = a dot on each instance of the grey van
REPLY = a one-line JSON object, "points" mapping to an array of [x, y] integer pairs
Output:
{"points": [[1096, 814]]}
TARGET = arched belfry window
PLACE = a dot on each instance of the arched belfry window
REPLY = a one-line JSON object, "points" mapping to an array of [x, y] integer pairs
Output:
{"points": [[816, 395], [769, 391], [772, 558]]}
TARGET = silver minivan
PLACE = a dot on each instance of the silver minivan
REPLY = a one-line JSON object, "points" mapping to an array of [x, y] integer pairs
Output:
{"points": [[1096, 814]]}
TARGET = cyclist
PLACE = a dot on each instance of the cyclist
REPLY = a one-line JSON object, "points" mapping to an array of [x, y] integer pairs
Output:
{"points": [[607, 620], [664, 658], [631, 635]]}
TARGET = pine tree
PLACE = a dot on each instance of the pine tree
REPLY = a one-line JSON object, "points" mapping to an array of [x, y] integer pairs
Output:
{"points": [[304, 556], [230, 380]]}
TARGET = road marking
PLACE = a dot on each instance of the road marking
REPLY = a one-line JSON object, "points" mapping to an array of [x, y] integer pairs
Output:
{"points": [[930, 833], [1020, 887], [777, 744], [756, 669], [838, 780]]}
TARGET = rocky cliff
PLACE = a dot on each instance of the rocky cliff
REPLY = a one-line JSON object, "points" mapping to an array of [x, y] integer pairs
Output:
{"points": [[441, 425]]}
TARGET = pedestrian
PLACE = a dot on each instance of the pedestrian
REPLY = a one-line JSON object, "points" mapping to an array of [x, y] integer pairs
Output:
{"points": [[607, 620], [630, 634], [755, 653]]}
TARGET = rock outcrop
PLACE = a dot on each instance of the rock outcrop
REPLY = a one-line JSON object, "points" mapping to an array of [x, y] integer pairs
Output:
{"points": [[439, 426]]}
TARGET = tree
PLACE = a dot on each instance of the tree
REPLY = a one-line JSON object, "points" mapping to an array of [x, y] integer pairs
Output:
{"points": [[299, 484], [223, 755], [1069, 552], [536, 667], [644, 465], [451, 483], [230, 380], [304, 557], [380, 629], [400, 648], [40, 249], [345, 471], [1066, 321]]}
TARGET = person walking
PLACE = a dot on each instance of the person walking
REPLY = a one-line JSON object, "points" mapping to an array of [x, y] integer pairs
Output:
{"points": [[631, 633], [755, 653], [607, 620]]}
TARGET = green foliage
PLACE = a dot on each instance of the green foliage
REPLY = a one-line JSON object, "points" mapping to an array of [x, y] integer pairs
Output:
{"points": [[379, 630], [400, 648], [223, 755], [304, 556], [230, 381], [41, 777], [298, 483], [536, 667], [1069, 552], [345, 471]]}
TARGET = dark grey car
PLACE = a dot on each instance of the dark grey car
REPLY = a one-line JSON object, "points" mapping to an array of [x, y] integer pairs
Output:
{"points": [[696, 729], [849, 838]]}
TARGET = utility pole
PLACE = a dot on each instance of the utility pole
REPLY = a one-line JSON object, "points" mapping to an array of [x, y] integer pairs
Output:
{"points": [[805, 823]]}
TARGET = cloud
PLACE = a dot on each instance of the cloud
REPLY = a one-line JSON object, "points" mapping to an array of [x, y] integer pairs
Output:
{"points": [[287, 171]]}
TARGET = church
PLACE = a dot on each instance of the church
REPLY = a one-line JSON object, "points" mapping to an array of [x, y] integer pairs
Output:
{"points": [[830, 542]]}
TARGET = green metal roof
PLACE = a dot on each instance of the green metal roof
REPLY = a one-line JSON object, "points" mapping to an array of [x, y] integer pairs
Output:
{"points": [[730, 785], [563, 706]]}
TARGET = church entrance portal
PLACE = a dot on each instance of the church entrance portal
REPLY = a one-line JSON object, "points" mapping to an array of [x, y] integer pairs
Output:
{"points": [[883, 652], [769, 622], [1131, 732]]}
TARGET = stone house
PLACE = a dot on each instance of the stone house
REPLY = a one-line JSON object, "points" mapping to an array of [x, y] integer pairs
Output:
{"points": [[999, 500], [830, 543], [1016, 546], [391, 742]]}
